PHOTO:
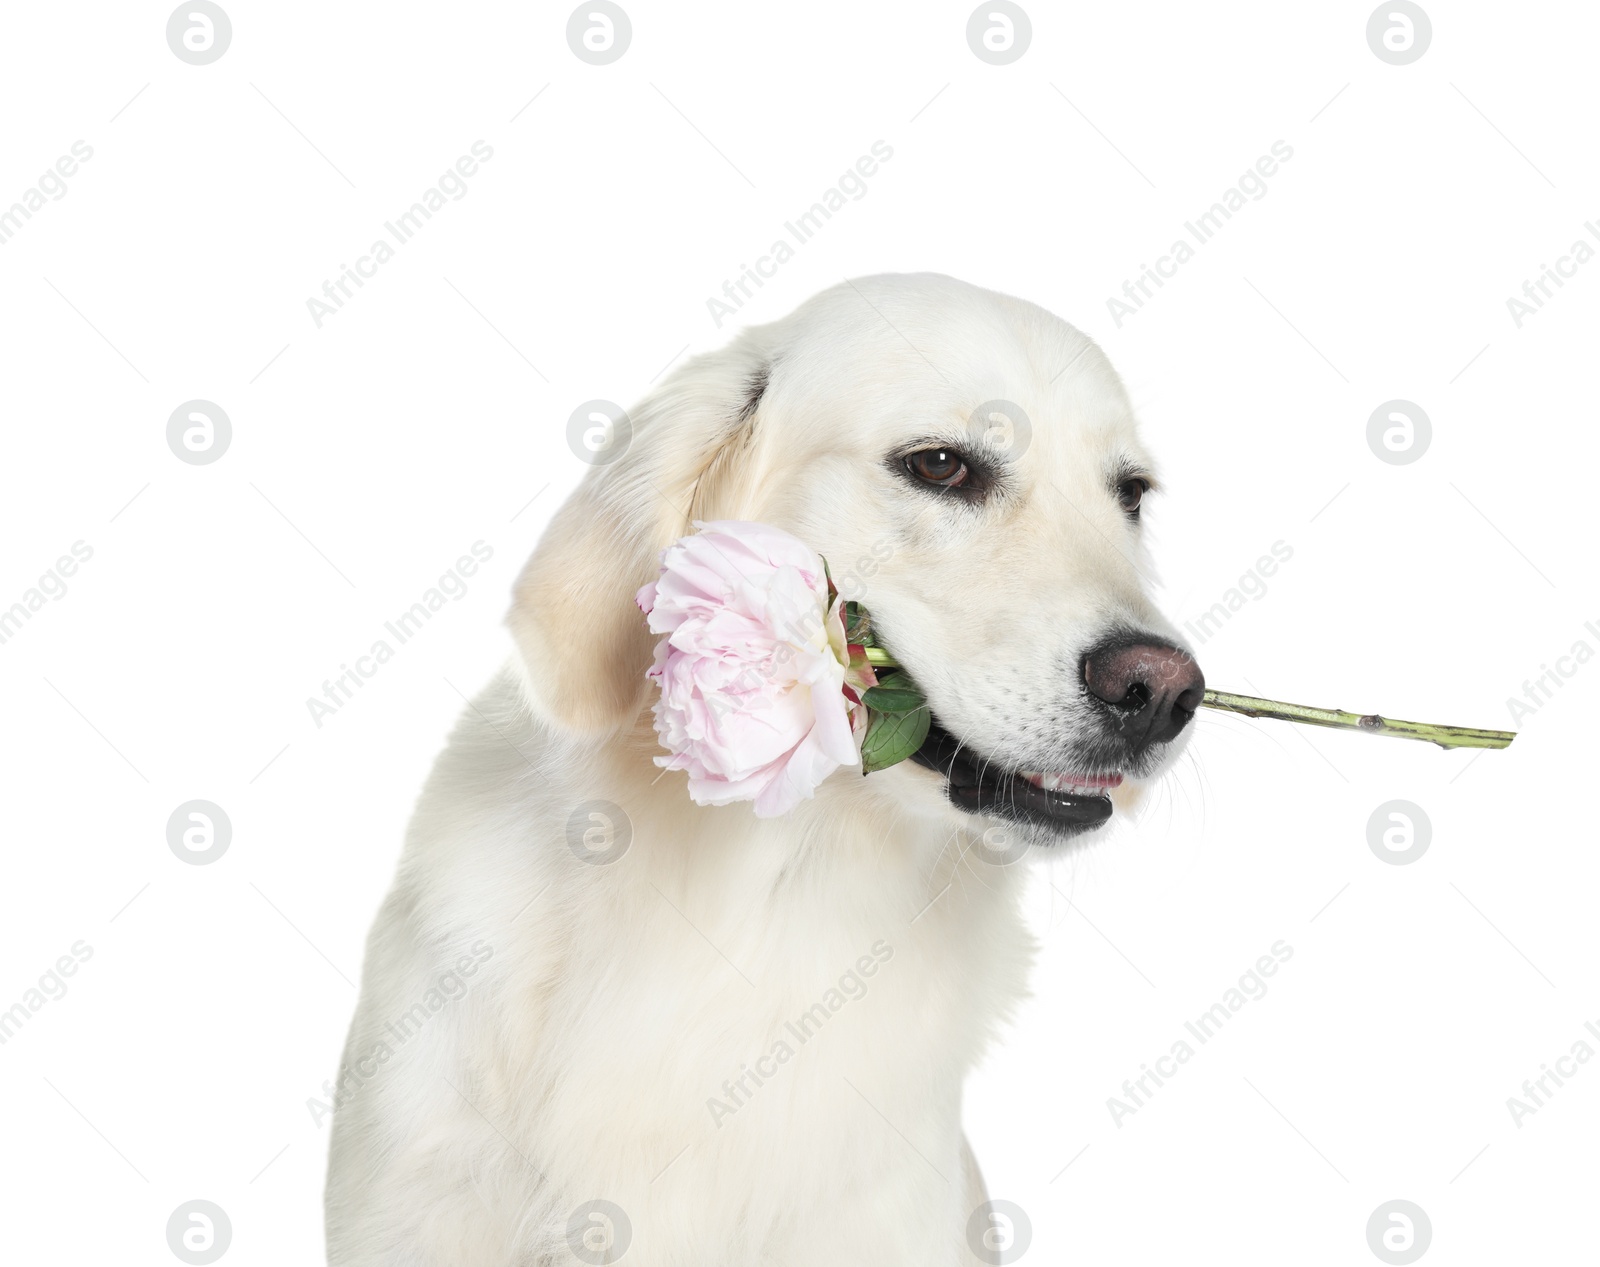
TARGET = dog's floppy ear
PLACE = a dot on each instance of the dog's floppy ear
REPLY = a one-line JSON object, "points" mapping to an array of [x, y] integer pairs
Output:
{"points": [[582, 637]]}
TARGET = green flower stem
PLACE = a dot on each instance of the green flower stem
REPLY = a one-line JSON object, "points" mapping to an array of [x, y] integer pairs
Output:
{"points": [[1368, 723]]}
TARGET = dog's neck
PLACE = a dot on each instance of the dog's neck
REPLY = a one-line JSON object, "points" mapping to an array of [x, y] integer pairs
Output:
{"points": [[816, 888]]}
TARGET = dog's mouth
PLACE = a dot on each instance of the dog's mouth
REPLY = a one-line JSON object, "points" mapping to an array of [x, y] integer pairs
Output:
{"points": [[1066, 802]]}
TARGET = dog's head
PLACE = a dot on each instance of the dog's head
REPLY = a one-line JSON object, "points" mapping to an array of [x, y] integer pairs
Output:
{"points": [[969, 466]]}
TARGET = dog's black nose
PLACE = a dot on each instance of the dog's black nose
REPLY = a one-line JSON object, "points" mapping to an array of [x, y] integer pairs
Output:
{"points": [[1150, 689]]}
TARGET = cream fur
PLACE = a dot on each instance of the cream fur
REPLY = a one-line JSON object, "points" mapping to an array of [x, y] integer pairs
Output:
{"points": [[615, 1000]]}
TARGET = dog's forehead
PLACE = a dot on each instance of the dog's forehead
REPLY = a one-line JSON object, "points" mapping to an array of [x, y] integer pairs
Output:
{"points": [[903, 358]]}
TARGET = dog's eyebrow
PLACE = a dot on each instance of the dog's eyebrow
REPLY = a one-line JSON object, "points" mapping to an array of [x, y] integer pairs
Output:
{"points": [[978, 450], [755, 388], [1127, 468]]}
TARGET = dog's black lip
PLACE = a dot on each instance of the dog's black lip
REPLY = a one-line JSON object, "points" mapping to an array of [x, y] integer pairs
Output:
{"points": [[980, 787]]}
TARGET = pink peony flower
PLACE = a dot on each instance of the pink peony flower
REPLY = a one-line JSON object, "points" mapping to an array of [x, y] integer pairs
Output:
{"points": [[759, 701]]}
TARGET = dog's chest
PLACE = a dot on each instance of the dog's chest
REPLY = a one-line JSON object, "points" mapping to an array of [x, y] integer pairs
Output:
{"points": [[798, 1027]]}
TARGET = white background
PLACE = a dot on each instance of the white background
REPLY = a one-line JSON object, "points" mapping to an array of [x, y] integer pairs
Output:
{"points": [[430, 412]]}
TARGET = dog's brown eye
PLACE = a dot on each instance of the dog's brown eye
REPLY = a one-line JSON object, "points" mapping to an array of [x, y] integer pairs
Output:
{"points": [[944, 467], [1131, 492]]}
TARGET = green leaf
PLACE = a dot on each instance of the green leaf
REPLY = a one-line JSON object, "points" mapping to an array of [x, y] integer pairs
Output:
{"points": [[896, 693], [892, 737]]}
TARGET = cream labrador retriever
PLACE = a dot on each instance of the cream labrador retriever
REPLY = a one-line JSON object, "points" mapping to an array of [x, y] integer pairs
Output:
{"points": [[600, 1023]]}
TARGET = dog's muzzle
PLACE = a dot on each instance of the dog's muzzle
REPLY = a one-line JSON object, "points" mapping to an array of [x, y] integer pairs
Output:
{"points": [[1142, 693]]}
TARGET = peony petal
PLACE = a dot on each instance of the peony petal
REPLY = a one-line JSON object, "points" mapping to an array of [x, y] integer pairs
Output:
{"points": [[833, 731], [751, 668]]}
